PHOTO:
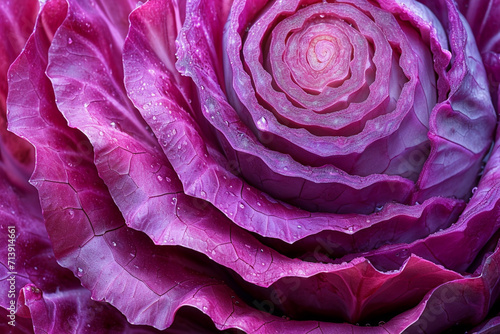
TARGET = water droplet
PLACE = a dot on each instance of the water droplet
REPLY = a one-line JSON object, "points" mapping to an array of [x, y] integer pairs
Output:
{"points": [[262, 123], [474, 190], [404, 253], [101, 133], [154, 118], [241, 205], [70, 41], [113, 124], [203, 194], [160, 178], [204, 308], [298, 226], [114, 244], [80, 272]]}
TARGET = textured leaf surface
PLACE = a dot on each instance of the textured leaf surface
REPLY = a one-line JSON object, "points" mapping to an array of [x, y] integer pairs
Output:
{"points": [[172, 210]]}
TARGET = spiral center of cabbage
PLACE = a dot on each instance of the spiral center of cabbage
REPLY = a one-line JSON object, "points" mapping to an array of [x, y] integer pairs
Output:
{"points": [[322, 50], [317, 53], [335, 92]]}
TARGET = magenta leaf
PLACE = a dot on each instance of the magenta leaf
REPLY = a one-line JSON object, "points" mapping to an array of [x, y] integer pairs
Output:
{"points": [[250, 166]]}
